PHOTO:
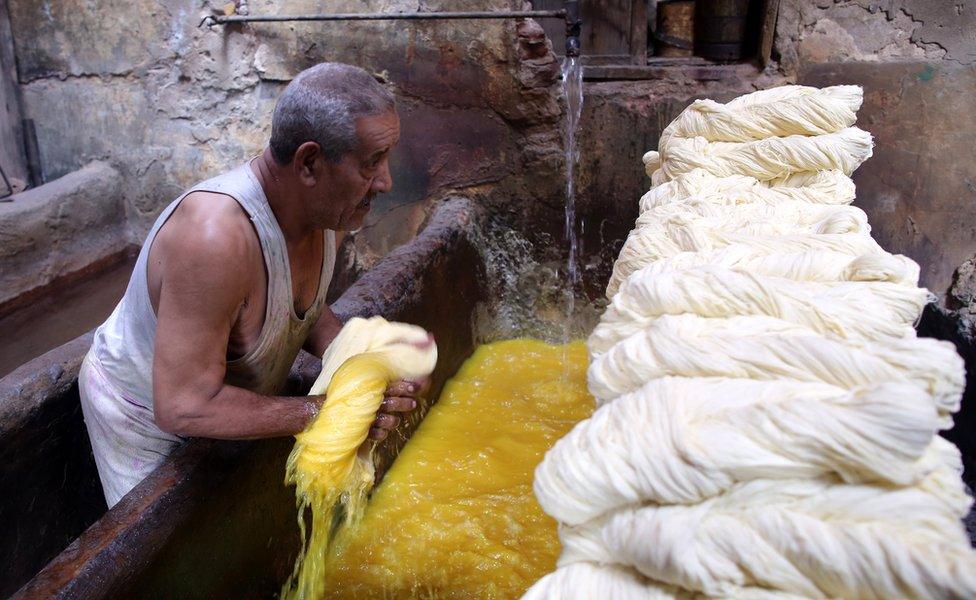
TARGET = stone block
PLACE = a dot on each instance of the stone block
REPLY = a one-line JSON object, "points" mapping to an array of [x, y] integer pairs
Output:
{"points": [[59, 228]]}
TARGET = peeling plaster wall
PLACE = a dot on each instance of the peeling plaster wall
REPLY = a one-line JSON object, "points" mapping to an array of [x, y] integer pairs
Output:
{"points": [[139, 85], [917, 62], [168, 103]]}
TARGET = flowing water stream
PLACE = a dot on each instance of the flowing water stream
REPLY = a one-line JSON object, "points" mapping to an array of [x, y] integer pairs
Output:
{"points": [[572, 90]]}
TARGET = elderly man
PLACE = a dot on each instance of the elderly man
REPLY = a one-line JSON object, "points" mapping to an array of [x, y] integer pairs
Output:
{"points": [[231, 283]]}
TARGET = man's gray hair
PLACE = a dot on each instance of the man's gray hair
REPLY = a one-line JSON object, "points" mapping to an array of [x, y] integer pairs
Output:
{"points": [[321, 105]]}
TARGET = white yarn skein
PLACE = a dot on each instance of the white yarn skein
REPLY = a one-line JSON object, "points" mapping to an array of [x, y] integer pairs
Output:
{"points": [[807, 265], [767, 417], [778, 112], [815, 187], [817, 538], [817, 217], [645, 246], [766, 348], [769, 158], [706, 434], [867, 310]]}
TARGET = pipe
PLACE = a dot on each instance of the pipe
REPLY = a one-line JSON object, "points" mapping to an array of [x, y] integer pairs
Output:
{"points": [[574, 23], [211, 20]]}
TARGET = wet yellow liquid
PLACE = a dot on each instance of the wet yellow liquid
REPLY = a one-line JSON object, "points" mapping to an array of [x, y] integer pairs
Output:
{"points": [[326, 469], [455, 516]]}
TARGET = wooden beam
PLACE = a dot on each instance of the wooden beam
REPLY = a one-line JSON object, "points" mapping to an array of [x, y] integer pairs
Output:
{"points": [[684, 71], [638, 32], [768, 31]]}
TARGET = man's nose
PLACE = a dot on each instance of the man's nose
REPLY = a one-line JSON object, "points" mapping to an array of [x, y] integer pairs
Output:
{"points": [[383, 182]]}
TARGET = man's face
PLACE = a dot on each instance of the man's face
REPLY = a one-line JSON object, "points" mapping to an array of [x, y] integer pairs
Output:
{"points": [[350, 185]]}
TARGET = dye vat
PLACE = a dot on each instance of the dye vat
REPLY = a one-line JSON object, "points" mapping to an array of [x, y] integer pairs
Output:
{"points": [[455, 516], [215, 519], [61, 312]]}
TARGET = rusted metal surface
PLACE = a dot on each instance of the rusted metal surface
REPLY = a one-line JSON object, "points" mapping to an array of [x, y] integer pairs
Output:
{"points": [[215, 519], [50, 487], [212, 20]]}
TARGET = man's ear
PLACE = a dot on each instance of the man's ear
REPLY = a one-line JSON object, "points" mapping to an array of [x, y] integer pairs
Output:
{"points": [[306, 163]]}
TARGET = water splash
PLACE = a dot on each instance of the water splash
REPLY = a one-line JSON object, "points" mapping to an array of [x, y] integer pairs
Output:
{"points": [[537, 291], [572, 90]]}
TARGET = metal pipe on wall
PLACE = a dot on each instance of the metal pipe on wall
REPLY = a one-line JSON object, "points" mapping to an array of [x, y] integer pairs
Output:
{"points": [[571, 14], [211, 20]]}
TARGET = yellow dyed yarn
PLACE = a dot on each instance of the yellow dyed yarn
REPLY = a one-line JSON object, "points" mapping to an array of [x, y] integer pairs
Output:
{"points": [[455, 517], [328, 466]]}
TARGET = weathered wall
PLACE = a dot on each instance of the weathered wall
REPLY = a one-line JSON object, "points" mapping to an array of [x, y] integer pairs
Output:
{"points": [[917, 62], [13, 159], [919, 188], [60, 228], [142, 86]]}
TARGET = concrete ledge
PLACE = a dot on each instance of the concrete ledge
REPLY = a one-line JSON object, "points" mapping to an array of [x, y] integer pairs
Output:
{"points": [[60, 228]]}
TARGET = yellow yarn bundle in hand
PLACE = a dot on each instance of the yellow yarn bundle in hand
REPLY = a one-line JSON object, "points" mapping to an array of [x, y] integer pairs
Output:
{"points": [[328, 465]]}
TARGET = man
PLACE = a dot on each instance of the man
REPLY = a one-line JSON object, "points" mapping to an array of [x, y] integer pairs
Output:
{"points": [[231, 283]]}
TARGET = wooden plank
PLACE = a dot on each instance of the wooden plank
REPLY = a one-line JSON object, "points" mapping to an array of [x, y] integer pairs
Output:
{"points": [[606, 27], [768, 31], [638, 32], [607, 36], [12, 157], [673, 72]]}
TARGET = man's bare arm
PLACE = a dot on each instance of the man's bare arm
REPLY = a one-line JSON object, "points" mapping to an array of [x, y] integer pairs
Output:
{"points": [[325, 330], [204, 281]]}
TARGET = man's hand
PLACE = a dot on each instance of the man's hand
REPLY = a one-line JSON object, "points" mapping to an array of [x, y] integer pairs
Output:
{"points": [[401, 397]]}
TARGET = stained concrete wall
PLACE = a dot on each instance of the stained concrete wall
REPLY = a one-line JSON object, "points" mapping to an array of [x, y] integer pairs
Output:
{"points": [[917, 62], [168, 103], [140, 85]]}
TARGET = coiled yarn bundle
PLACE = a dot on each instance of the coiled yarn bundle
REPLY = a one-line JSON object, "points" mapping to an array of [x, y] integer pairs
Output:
{"points": [[767, 422]]}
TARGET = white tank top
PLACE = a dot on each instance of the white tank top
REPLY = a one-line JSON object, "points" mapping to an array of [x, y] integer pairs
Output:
{"points": [[125, 344]]}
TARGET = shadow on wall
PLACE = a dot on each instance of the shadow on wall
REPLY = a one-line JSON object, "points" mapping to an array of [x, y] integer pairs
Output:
{"points": [[956, 323]]}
